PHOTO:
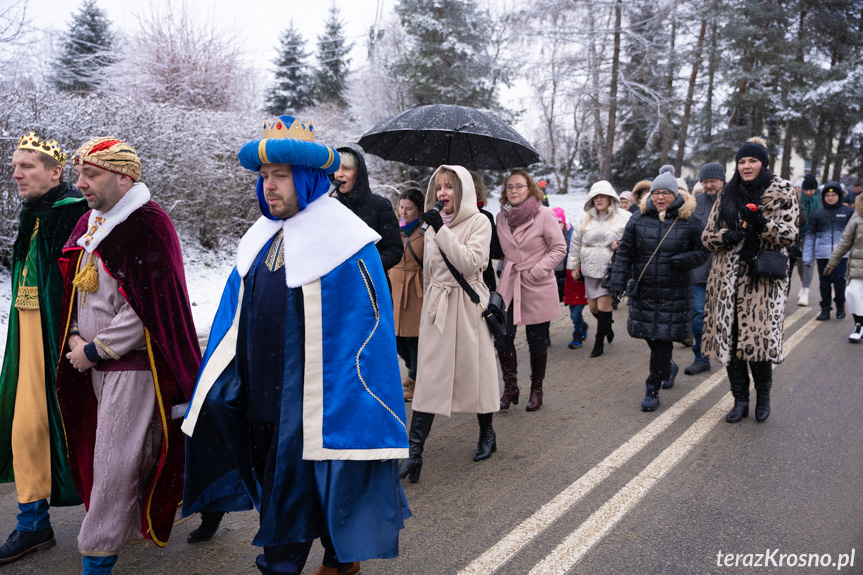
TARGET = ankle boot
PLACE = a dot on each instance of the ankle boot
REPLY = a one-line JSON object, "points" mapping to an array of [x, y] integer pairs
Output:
{"points": [[740, 392], [420, 427], [738, 377], [840, 310], [538, 362], [487, 443], [672, 373], [762, 397], [603, 324], [651, 397], [509, 368]]}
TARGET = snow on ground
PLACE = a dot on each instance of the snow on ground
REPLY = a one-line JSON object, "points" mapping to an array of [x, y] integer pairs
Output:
{"points": [[206, 271]]}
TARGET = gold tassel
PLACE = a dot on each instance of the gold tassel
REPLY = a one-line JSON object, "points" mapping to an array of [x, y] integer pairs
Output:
{"points": [[87, 280]]}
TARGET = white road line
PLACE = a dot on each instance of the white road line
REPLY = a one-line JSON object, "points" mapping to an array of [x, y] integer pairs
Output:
{"points": [[518, 538], [573, 549]]}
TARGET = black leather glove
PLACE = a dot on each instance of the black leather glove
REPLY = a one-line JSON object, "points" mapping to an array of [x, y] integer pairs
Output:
{"points": [[432, 218], [755, 220], [616, 295], [732, 237]]}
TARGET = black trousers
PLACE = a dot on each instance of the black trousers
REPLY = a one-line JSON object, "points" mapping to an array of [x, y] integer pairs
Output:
{"points": [[660, 361], [537, 336]]}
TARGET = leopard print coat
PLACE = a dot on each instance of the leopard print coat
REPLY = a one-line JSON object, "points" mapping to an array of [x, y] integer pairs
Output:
{"points": [[757, 302]]}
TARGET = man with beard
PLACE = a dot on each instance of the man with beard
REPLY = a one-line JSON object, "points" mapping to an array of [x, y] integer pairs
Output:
{"points": [[130, 357], [298, 410]]}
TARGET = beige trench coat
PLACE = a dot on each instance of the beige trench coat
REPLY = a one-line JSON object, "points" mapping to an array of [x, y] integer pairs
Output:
{"points": [[457, 370], [406, 278]]}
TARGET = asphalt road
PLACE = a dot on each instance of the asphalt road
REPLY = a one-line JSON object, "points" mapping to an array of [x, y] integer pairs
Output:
{"points": [[589, 484]]}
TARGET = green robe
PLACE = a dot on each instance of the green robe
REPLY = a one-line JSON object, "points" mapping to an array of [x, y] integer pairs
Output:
{"points": [[57, 219]]}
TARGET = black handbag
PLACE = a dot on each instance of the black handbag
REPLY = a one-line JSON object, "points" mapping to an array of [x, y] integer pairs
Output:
{"points": [[632, 284], [493, 312], [606, 278], [771, 264]]}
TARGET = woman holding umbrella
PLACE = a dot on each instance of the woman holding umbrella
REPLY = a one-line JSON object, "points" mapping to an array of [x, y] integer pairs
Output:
{"points": [[533, 246], [456, 369]]}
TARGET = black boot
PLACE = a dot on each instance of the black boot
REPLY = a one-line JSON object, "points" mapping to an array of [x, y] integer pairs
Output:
{"points": [[509, 368], [210, 521], [609, 334], [824, 315], [738, 377], [603, 324], [538, 362], [21, 543], [487, 443], [651, 398], [420, 427], [840, 310], [762, 373], [672, 373]]}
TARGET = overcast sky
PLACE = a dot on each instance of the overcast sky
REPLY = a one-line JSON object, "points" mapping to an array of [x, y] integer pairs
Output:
{"points": [[257, 23]]}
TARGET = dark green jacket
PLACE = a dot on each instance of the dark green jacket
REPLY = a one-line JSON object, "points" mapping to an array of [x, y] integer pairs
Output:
{"points": [[58, 212]]}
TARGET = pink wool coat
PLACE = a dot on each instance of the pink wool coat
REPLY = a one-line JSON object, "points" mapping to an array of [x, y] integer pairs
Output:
{"points": [[532, 251]]}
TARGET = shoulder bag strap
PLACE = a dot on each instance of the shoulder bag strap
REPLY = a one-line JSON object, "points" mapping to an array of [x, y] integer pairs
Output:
{"points": [[474, 297], [657, 249], [413, 253]]}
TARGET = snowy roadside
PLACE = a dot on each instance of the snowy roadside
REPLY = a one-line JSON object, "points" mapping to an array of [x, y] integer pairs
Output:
{"points": [[207, 271]]}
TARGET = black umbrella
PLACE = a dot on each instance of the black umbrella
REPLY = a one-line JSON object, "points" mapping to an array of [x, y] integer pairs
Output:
{"points": [[442, 134]]}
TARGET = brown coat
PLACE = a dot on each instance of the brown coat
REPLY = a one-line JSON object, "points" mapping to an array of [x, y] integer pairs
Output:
{"points": [[406, 278], [757, 302], [457, 370]]}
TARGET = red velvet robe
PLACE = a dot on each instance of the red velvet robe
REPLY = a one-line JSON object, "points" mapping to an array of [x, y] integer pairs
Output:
{"points": [[143, 255]]}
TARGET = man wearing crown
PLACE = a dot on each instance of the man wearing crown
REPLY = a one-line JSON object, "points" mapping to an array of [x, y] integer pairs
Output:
{"points": [[33, 449], [129, 357], [298, 409]]}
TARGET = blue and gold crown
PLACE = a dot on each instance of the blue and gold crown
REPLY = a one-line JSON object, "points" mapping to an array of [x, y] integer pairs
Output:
{"points": [[288, 141], [48, 147]]}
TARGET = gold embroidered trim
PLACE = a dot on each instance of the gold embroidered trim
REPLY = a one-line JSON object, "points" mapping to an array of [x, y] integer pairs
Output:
{"points": [[28, 297], [105, 350], [364, 272], [276, 255]]}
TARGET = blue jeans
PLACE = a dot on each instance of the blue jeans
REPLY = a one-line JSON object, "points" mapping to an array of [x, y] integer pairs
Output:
{"points": [[33, 516], [579, 326], [98, 565], [700, 292]]}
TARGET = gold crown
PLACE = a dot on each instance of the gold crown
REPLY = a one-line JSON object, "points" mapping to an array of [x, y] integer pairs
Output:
{"points": [[296, 131], [48, 147]]}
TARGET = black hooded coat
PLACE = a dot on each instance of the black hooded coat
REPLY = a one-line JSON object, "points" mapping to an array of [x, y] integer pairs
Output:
{"points": [[376, 211]]}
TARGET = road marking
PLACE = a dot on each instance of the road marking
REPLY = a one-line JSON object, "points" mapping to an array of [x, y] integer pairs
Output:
{"points": [[530, 528], [573, 549]]}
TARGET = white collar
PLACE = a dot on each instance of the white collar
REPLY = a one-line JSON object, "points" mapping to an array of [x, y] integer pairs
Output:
{"points": [[98, 230], [316, 240]]}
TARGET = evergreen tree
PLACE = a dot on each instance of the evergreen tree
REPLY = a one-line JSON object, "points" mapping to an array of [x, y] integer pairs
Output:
{"points": [[448, 61], [293, 89], [329, 81], [87, 49]]}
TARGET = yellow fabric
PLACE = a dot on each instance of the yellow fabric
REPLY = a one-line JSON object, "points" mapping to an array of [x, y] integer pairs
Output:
{"points": [[87, 279], [31, 442]]}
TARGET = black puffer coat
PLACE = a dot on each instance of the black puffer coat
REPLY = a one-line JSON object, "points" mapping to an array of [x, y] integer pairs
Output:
{"points": [[663, 309], [376, 211]]}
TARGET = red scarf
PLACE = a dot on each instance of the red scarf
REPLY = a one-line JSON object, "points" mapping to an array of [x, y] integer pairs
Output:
{"points": [[522, 213]]}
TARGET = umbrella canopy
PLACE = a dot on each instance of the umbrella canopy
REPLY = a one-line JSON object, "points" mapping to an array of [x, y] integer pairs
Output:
{"points": [[443, 134]]}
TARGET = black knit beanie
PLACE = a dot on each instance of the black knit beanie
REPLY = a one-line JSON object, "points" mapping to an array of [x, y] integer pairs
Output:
{"points": [[809, 182], [753, 150]]}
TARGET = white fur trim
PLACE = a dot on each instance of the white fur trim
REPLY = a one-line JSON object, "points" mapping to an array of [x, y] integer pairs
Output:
{"points": [[313, 375], [316, 241], [137, 196]]}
